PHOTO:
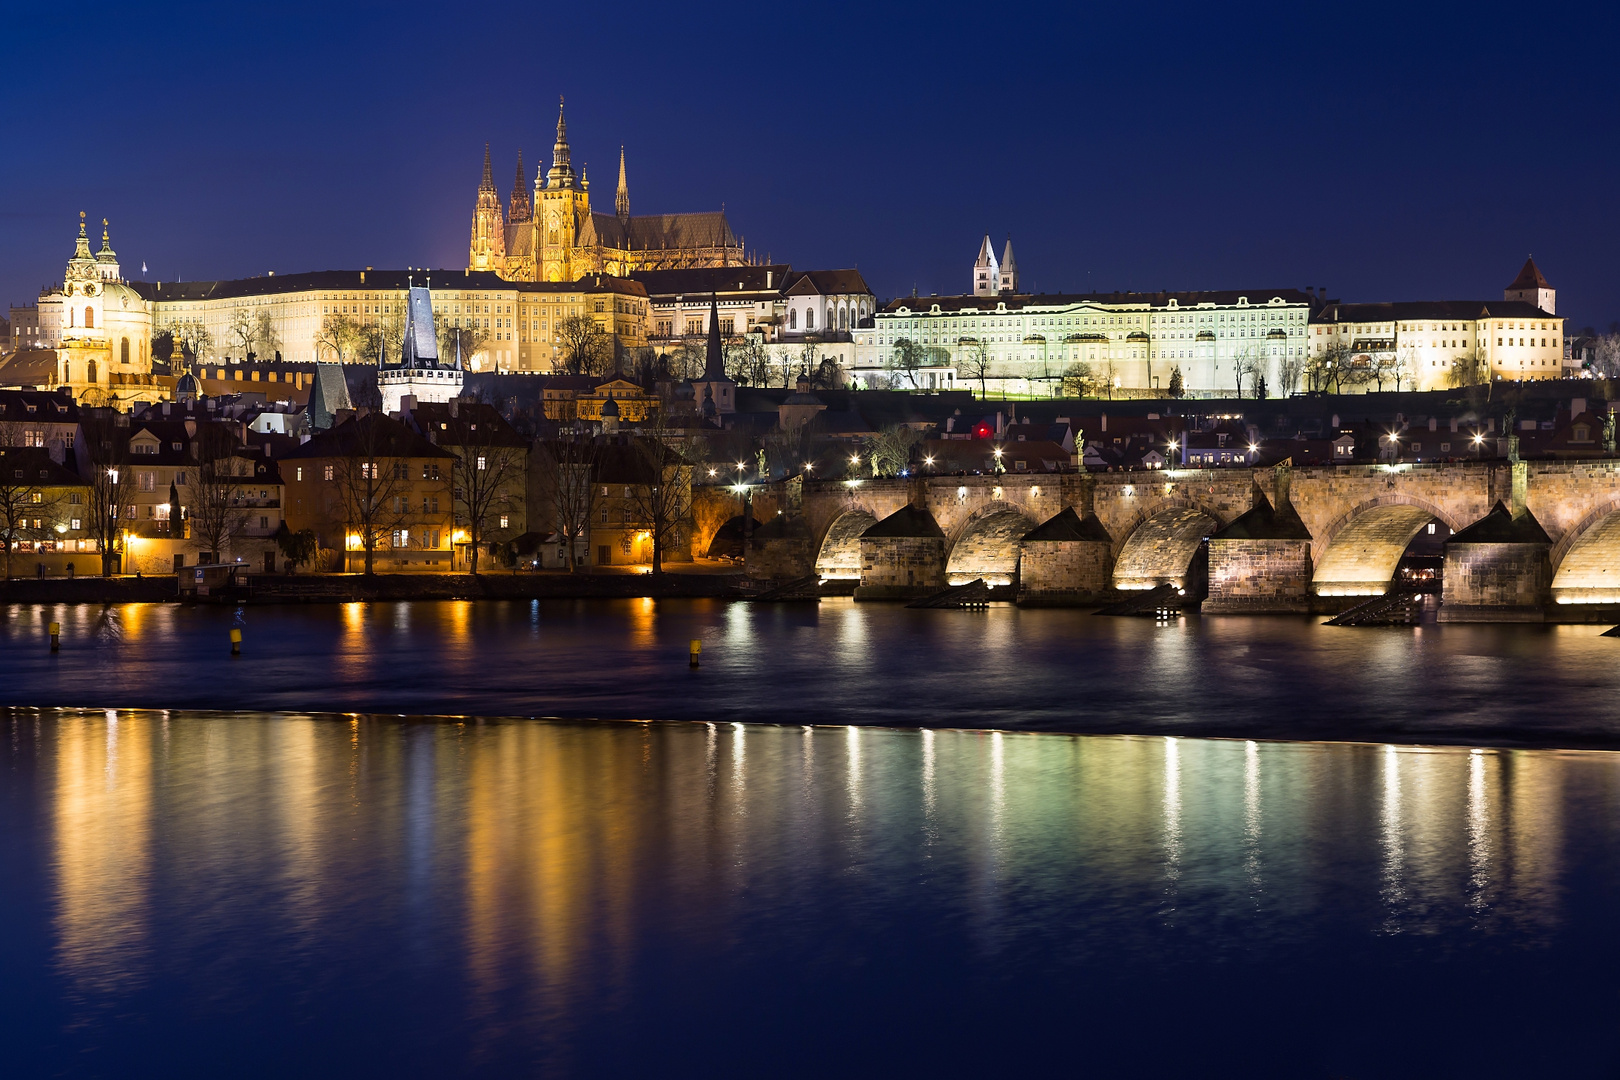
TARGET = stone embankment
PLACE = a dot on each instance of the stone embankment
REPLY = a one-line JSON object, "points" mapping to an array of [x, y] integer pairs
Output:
{"points": [[342, 588]]}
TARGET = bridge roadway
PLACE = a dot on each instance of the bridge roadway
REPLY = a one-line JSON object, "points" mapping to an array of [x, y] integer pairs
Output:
{"points": [[1279, 538]]}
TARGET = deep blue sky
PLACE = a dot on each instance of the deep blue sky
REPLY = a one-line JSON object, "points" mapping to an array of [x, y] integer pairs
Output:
{"points": [[1401, 152]]}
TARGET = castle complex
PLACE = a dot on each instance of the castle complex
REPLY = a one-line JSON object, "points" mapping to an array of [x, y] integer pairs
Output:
{"points": [[556, 236]]}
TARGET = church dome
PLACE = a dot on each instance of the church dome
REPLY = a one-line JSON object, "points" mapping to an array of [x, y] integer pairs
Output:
{"points": [[611, 409], [189, 388]]}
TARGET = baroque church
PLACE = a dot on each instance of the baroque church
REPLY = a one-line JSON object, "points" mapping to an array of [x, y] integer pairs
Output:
{"points": [[556, 236]]}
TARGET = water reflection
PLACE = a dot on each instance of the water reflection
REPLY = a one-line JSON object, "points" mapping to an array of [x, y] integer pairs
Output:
{"points": [[540, 864]]}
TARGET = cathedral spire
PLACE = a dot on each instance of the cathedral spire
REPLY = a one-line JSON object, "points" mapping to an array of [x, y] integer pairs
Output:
{"points": [[488, 183], [562, 171], [621, 201], [521, 209]]}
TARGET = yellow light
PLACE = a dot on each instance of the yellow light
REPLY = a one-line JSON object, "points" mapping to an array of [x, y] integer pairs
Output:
{"points": [[352, 541], [458, 536], [1254, 448], [998, 451], [928, 461], [714, 472], [854, 459], [1174, 444]]}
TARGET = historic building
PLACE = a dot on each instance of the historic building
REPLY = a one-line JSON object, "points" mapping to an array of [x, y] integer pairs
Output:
{"points": [[557, 237], [1425, 342], [418, 371], [1023, 344], [99, 328]]}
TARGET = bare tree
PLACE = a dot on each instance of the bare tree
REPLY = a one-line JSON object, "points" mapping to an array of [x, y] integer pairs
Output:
{"points": [[826, 375], [468, 340], [112, 484], [214, 492], [1078, 380], [1329, 367], [27, 506], [1606, 356], [904, 360], [586, 348], [342, 335], [748, 362], [373, 479], [1245, 366], [889, 451], [568, 482], [243, 331], [663, 500], [1289, 371], [487, 473], [195, 338], [975, 364]]}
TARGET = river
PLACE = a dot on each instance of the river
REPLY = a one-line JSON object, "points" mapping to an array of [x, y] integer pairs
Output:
{"points": [[375, 864]]}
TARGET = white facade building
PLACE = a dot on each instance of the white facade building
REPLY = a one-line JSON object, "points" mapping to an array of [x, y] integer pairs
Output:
{"points": [[419, 372]]}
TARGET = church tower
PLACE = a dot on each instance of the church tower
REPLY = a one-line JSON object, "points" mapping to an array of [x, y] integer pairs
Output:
{"points": [[1009, 270], [561, 208], [487, 251], [1532, 288], [986, 272], [621, 201], [520, 210]]}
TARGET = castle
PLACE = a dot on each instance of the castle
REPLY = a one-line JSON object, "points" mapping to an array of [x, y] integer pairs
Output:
{"points": [[556, 236]]}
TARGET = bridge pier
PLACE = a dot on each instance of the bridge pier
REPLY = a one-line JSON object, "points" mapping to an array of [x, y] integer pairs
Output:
{"points": [[1064, 561], [902, 557], [1496, 570], [1260, 564]]}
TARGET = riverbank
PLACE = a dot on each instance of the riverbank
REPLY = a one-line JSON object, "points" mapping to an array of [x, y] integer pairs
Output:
{"points": [[346, 588]]}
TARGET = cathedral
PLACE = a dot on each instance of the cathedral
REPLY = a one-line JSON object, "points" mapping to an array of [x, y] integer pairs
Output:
{"points": [[556, 236]]}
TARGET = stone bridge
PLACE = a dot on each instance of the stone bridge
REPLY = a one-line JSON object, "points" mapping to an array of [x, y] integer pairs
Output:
{"points": [[1275, 539]]}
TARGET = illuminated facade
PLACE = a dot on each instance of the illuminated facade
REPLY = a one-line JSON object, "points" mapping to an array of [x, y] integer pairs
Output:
{"points": [[1131, 341], [418, 371], [557, 237]]}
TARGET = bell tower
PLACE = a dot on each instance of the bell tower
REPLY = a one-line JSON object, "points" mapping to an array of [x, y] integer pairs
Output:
{"points": [[561, 207]]}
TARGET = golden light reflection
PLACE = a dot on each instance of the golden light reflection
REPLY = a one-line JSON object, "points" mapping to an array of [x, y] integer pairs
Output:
{"points": [[101, 821]]}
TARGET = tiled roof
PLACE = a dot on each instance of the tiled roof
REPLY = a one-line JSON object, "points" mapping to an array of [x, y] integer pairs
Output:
{"points": [[317, 280], [1019, 301], [1529, 277], [715, 279], [1417, 310], [826, 283]]}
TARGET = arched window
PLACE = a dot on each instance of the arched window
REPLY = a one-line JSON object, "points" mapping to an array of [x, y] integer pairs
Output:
{"points": [[841, 317], [90, 369], [89, 318], [793, 318], [123, 351], [809, 318]]}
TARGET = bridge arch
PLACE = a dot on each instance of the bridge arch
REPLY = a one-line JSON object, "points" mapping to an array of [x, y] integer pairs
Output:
{"points": [[1159, 547], [986, 546], [840, 553], [1360, 551], [1586, 559]]}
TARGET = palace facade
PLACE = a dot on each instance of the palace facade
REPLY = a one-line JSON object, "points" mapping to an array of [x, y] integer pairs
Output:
{"points": [[555, 236]]}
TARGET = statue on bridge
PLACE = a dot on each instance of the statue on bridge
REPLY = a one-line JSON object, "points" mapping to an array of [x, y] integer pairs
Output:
{"points": [[1608, 433]]}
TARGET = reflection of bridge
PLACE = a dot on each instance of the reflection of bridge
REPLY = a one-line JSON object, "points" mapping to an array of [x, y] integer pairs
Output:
{"points": [[1278, 539]]}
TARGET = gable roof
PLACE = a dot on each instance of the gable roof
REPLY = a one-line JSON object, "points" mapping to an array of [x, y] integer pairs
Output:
{"points": [[714, 279], [826, 283]]}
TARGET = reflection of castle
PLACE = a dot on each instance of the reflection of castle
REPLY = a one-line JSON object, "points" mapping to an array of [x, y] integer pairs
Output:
{"points": [[558, 237]]}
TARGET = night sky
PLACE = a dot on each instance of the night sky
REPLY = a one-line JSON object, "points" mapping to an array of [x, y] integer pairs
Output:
{"points": [[1387, 153]]}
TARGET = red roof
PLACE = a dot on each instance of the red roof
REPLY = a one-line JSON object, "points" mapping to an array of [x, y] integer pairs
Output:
{"points": [[1529, 278]]}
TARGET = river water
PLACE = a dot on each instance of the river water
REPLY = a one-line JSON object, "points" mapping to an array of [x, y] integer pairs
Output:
{"points": [[788, 887]]}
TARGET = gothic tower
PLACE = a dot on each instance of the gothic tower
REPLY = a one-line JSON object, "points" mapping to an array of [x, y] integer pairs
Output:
{"points": [[487, 251], [521, 209], [561, 207], [621, 201]]}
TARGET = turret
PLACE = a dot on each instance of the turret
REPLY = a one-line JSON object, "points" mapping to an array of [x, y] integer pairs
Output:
{"points": [[487, 249], [562, 169], [1532, 288]]}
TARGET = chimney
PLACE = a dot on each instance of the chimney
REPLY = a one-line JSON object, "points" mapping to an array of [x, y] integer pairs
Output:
{"points": [[1576, 407], [1434, 423], [191, 428], [1454, 425], [454, 411], [1105, 422]]}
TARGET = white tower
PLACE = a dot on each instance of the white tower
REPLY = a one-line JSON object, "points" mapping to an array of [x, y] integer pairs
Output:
{"points": [[419, 372], [1532, 288], [1009, 270], [986, 271]]}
